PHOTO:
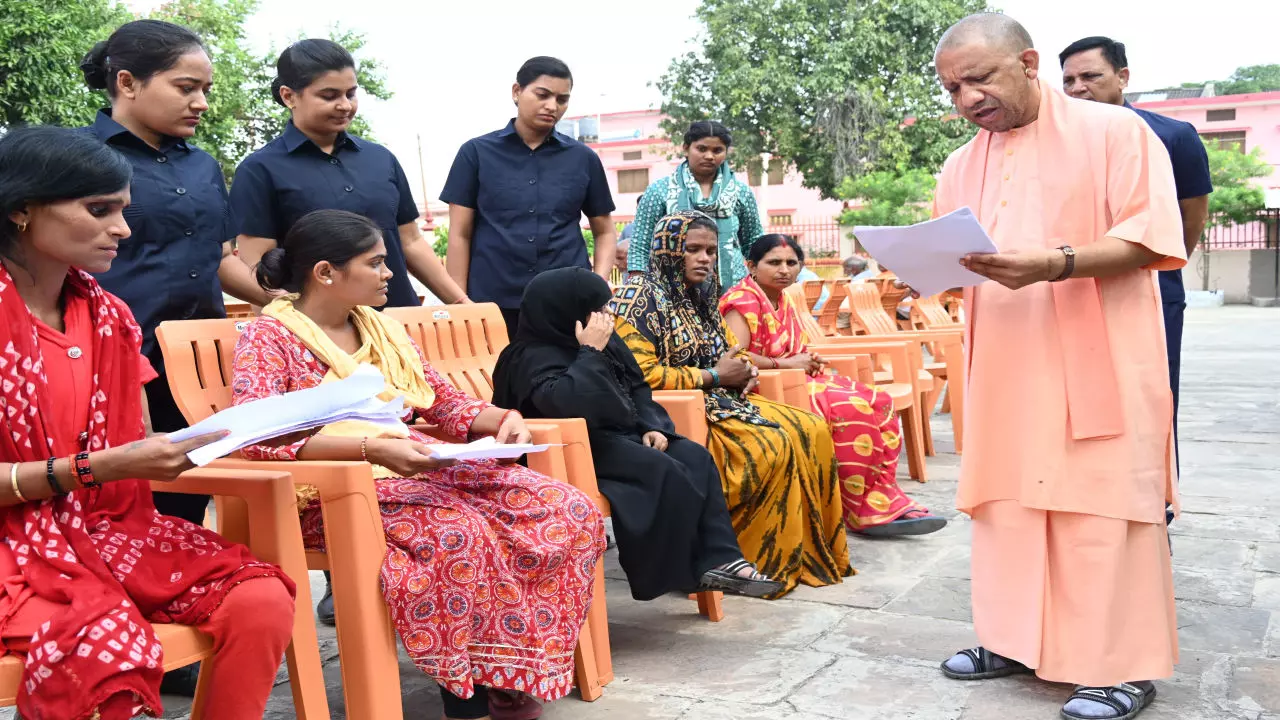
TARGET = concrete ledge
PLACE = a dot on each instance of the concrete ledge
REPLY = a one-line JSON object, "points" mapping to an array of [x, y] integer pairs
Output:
{"points": [[1265, 302]]}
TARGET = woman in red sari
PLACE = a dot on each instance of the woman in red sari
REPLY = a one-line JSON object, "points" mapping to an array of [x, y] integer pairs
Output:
{"points": [[87, 564], [489, 566], [867, 435]]}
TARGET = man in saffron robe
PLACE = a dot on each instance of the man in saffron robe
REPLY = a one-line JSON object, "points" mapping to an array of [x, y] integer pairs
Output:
{"points": [[1068, 442]]}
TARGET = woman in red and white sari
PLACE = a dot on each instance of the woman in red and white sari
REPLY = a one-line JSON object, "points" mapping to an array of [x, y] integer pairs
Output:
{"points": [[87, 564]]}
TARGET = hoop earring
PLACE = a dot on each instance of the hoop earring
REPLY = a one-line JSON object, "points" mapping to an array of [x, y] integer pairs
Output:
{"points": [[22, 227]]}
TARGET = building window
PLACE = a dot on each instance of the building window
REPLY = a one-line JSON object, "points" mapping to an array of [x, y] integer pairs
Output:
{"points": [[779, 219], [1220, 115], [632, 155], [632, 181], [1226, 139], [777, 171]]}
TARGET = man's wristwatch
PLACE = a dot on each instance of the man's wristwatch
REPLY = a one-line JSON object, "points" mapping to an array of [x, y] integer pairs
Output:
{"points": [[1070, 254]]}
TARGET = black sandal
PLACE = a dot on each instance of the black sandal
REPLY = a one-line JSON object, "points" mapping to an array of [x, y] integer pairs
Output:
{"points": [[984, 665], [726, 579], [1139, 696]]}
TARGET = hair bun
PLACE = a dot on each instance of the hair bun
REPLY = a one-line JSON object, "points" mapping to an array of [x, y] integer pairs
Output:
{"points": [[94, 66], [275, 91], [273, 271]]}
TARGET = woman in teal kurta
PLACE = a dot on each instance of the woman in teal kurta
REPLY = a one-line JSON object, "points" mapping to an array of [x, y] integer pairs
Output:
{"points": [[703, 182]]}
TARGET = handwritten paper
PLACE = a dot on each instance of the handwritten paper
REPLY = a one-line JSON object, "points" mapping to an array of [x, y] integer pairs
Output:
{"points": [[927, 255]]}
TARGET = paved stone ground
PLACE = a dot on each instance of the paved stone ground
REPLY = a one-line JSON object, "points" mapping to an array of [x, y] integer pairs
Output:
{"points": [[869, 648]]}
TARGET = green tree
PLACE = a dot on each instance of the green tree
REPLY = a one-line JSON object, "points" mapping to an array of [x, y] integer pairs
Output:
{"points": [[888, 197], [440, 245], [1235, 198], [1250, 79], [43, 41], [827, 84], [41, 45]]}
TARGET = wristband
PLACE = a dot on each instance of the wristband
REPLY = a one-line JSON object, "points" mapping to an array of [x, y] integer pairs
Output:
{"points": [[83, 472], [364, 449], [52, 478], [715, 377]]}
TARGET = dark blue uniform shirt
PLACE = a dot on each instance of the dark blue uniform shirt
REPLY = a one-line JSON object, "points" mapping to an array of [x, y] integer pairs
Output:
{"points": [[168, 268], [529, 206], [291, 176], [1190, 175]]}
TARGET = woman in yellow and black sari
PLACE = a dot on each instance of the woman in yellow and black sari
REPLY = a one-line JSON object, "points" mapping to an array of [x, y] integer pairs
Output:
{"points": [[777, 463]]}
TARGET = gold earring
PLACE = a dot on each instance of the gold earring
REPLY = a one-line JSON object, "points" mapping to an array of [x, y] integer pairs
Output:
{"points": [[22, 227]]}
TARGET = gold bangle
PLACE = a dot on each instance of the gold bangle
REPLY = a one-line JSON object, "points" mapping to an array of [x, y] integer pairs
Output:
{"points": [[13, 480]]}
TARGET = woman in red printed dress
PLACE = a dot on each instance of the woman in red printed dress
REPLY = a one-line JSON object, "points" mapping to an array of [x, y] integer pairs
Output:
{"points": [[868, 437], [489, 566], [87, 564]]}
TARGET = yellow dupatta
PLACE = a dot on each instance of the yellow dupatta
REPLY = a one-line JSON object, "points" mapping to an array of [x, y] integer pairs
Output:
{"points": [[385, 345]]}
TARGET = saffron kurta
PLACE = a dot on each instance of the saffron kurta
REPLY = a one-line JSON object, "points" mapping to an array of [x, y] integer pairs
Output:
{"points": [[1069, 411]]}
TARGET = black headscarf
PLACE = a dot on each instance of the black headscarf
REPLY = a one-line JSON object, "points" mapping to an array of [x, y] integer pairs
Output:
{"points": [[546, 345]]}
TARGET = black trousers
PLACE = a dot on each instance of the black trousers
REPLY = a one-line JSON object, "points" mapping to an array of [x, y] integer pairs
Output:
{"points": [[1173, 316], [511, 316], [167, 418]]}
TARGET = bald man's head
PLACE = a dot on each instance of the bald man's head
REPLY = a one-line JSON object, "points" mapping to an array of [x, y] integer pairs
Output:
{"points": [[995, 30], [988, 66]]}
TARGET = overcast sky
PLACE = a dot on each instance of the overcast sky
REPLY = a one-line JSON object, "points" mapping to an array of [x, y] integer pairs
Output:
{"points": [[451, 64]]}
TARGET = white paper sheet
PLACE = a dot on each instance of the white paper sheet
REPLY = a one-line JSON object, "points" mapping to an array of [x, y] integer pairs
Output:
{"points": [[354, 398], [484, 449], [927, 255]]}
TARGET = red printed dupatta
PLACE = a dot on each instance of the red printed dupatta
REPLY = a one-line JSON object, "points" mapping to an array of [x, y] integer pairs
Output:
{"points": [[104, 556], [774, 333]]}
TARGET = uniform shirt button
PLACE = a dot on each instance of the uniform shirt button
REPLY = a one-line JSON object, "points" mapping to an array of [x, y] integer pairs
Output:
{"points": [[333, 161], [189, 232], [182, 191], [193, 273], [162, 158], [349, 188]]}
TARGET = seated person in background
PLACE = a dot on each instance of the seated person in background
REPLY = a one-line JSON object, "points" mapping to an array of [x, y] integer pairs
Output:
{"points": [[668, 509], [776, 463], [619, 272], [88, 564], [459, 534], [807, 275], [867, 434], [857, 269]]}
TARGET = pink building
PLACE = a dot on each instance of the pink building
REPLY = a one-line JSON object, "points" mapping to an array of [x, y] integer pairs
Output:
{"points": [[635, 152], [1247, 121]]}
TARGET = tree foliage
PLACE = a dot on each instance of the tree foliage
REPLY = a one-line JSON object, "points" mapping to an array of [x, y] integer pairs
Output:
{"points": [[1250, 79], [41, 45], [42, 42], [826, 84], [889, 197], [1236, 198]]}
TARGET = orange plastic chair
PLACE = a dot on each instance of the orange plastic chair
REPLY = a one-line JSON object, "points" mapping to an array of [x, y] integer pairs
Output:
{"points": [[463, 342], [240, 311], [276, 537], [831, 310], [198, 357], [812, 293]]}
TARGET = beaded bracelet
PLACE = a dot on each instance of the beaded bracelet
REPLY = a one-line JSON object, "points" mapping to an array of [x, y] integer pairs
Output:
{"points": [[52, 478], [84, 472], [364, 449]]}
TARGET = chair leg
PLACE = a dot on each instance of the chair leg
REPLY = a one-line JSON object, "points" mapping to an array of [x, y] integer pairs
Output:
{"points": [[598, 620], [946, 399], [584, 666], [202, 692], [709, 605], [914, 440]]}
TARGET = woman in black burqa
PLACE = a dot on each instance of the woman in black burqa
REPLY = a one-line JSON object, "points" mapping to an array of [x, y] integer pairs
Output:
{"points": [[669, 513]]}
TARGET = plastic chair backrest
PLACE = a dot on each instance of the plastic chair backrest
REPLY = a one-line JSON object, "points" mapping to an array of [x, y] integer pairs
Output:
{"points": [[831, 310], [462, 342], [807, 321], [811, 292], [864, 304], [197, 361], [240, 311], [929, 313]]}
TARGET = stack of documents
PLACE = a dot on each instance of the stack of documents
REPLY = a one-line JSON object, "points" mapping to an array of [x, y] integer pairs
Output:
{"points": [[927, 255], [484, 449], [355, 398]]}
